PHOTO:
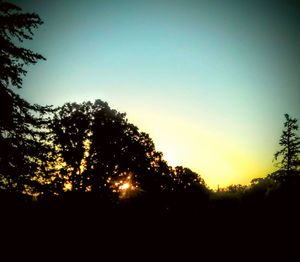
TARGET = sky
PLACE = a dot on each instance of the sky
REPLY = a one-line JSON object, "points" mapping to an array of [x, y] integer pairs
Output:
{"points": [[209, 81]]}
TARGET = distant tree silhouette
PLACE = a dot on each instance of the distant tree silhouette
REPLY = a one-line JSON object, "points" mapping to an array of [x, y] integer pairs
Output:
{"points": [[185, 179], [233, 193], [261, 188], [290, 143], [21, 124]]}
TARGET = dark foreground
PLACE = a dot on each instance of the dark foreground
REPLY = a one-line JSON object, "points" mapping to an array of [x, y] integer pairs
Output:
{"points": [[86, 227]]}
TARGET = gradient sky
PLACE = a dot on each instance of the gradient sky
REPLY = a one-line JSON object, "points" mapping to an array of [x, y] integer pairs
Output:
{"points": [[208, 80]]}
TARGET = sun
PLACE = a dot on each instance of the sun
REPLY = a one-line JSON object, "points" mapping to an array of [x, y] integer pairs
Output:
{"points": [[125, 186]]}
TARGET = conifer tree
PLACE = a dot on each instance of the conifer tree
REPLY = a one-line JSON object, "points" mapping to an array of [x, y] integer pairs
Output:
{"points": [[22, 125], [290, 146]]}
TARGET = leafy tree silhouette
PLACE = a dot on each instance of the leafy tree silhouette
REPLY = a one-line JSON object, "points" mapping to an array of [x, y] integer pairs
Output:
{"points": [[22, 125], [70, 128], [185, 179], [100, 151]]}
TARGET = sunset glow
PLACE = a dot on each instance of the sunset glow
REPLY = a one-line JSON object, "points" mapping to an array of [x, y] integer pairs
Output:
{"points": [[209, 81]]}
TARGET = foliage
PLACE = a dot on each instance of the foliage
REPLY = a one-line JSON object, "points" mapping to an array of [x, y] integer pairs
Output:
{"points": [[290, 146], [15, 25], [22, 125], [98, 150]]}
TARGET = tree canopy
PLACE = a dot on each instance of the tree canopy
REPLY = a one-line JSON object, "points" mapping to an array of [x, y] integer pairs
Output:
{"points": [[98, 150]]}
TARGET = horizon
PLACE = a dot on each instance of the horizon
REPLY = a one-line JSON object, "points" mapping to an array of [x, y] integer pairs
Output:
{"points": [[209, 82]]}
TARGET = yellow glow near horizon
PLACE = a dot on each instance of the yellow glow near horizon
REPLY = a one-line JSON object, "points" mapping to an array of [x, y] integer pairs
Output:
{"points": [[219, 157]]}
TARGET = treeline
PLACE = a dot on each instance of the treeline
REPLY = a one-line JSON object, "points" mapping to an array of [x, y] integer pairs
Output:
{"points": [[89, 149], [86, 147]]}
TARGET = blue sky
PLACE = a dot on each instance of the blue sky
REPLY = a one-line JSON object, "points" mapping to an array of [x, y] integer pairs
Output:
{"points": [[208, 80]]}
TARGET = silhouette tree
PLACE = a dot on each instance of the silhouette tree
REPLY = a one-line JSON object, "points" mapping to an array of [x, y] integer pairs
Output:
{"points": [[22, 125], [185, 178], [77, 149], [15, 25], [96, 149], [70, 128], [290, 143], [122, 152]]}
